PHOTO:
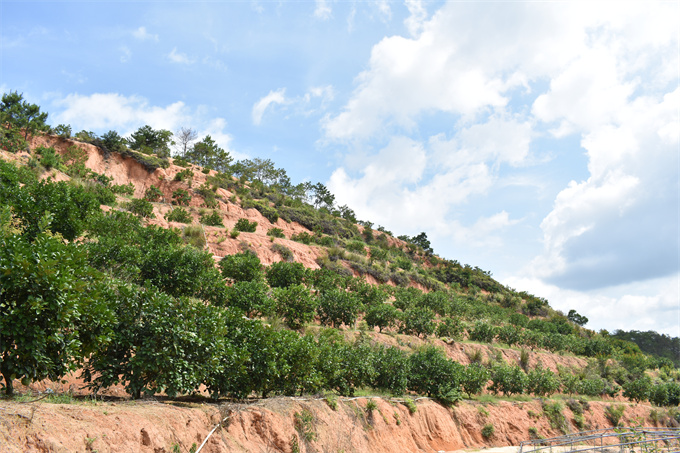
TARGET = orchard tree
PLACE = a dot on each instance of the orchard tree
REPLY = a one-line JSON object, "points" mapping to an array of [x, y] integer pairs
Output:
{"points": [[46, 297]]}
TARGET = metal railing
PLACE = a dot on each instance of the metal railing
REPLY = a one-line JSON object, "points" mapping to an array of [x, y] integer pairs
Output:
{"points": [[610, 440]]}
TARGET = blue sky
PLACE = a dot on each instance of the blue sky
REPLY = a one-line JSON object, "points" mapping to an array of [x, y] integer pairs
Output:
{"points": [[538, 141]]}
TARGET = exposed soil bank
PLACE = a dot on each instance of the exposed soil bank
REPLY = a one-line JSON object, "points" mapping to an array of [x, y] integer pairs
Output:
{"points": [[270, 426]]}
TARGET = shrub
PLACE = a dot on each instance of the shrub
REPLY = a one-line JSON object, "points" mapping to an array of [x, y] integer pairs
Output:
{"points": [[488, 431], [508, 379], [483, 332], [181, 197], [49, 157], [474, 379], [614, 412], [184, 175], [276, 233], [123, 189], [234, 233], [284, 252], [382, 316], [245, 226], [638, 389], [553, 411], [418, 321], [411, 405], [141, 207], [241, 267], [180, 215], [356, 246], [212, 219], [284, 274], [451, 328], [371, 405], [337, 307], [153, 193], [392, 368], [542, 382], [250, 296], [435, 375], [303, 237], [194, 235], [295, 304]]}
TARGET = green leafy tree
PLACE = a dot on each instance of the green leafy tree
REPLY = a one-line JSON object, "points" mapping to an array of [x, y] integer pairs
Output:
{"points": [[337, 307], [577, 319], [483, 332], [418, 321], [151, 141], [18, 113], [435, 375], [474, 379], [242, 267], [250, 296], [542, 382], [295, 304], [245, 225], [382, 316], [153, 193], [160, 343], [508, 379], [46, 299], [392, 368], [181, 197], [638, 389], [283, 274], [207, 153]]}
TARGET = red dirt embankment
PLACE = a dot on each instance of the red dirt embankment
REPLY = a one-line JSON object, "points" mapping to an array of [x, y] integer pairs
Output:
{"points": [[270, 426]]}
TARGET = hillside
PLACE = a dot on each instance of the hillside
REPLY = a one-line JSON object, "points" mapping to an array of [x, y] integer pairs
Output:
{"points": [[128, 273]]}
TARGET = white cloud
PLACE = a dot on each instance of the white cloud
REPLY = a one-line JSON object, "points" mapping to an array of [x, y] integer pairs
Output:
{"points": [[416, 19], [143, 35], [322, 10], [274, 97], [179, 58], [649, 306], [125, 54], [101, 112]]}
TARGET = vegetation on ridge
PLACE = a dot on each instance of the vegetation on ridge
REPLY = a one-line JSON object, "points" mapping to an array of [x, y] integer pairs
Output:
{"points": [[133, 303]]}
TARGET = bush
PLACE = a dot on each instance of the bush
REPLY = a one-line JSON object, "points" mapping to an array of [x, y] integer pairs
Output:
{"points": [[553, 411], [284, 252], [194, 235], [212, 219], [614, 412], [153, 193], [181, 197], [49, 157], [418, 321], [474, 379], [356, 246], [483, 332], [251, 297], [392, 368], [123, 189], [382, 316], [180, 215], [508, 379], [295, 304], [141, 208], [184, 175], [337, 307], [542, 382], [245, 226], [241, 267], [284, 274], [303, 237], [488, 431], [435, 375], [276, 233]]}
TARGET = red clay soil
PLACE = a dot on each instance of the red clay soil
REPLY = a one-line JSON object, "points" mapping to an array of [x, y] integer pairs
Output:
{"points": [[270, 426]]}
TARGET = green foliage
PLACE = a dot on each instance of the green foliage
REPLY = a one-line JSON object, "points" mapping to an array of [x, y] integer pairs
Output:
{"points": [[241, 267], [50, 314], [194, 235], [577, 319], [392, 368], [295, 304], [245, 225], [181, 197], [303, 237], [251, 297], [483, 332], [488, 431], [356, 246], [180, 215], [185, 175], [418, 321], [49, 158], [63, 131], [553, 411], [207, 153], [508, 379], [638, 389], [276, 233], [650, 342], [150, 162], [382, 316], [284, 252], [284, 274], [435, 375], [411, 405], [141, 208], [614, 412], [474, 379], [212, 219], [159, 343], [22, 115], [665, 394], [337, 307], [208, 194], [123, 189], [304, 425], [151, 141], [510, 335], [153, 193], [542, 382]]}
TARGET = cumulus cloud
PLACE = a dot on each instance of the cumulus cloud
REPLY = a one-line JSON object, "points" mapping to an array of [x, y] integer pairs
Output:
{"points": [[101, 112], [143, 35]]}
